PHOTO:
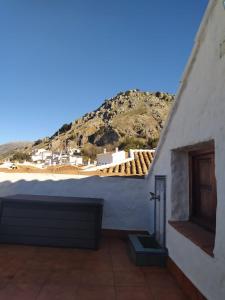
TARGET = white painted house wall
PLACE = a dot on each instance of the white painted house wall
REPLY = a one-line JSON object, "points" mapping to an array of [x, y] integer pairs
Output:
{"points": [[40, 155], [111, 157], [118, 156], [104, 158], [126, 205], [199, 116], [76, 160]]}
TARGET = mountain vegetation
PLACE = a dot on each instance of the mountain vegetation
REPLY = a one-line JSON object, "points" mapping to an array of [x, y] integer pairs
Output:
{"points": [[131, 119], [9, 149]]}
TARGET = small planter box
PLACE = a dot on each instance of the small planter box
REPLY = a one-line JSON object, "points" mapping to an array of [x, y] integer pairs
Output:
{"points": [[145, 251], [51, 221]]}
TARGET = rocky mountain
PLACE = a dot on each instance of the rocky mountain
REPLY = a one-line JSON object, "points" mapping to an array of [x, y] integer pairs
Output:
{"points": [[133, 114]]}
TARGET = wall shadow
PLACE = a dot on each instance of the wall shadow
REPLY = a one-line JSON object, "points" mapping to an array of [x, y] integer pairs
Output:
{"points": [[126, 201]]}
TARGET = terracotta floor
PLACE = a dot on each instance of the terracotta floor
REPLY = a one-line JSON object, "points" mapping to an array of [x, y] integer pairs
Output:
{"points": [[42, 273]]}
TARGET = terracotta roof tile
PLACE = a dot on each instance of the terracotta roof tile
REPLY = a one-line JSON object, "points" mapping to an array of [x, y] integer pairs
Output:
{"points": [[139, 166]]}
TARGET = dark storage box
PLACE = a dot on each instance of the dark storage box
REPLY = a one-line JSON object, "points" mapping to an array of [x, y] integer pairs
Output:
{"points": [[51, 221], [145, 251]]}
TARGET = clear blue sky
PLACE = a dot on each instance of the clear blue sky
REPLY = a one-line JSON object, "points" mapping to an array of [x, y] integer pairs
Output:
{"points": [[61, 58]]}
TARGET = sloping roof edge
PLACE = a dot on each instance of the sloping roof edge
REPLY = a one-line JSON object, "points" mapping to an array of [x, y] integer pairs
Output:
{"points": [[183, 81]]}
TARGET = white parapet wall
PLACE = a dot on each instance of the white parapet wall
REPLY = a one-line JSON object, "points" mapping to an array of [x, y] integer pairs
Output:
{"points": [[126, 205], [111, 157]]}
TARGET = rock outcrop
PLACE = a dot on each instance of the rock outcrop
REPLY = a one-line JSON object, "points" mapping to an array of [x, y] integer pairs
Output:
{"points": [[133, 113]]}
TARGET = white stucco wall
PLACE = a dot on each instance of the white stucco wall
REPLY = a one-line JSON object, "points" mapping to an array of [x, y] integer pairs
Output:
{"points": [[111, 158], [119, 156], [126, 205], [199, 117], [104, 158]]}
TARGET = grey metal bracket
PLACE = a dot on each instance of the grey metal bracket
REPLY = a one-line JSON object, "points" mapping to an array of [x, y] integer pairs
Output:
{"points": [[154, 196]]}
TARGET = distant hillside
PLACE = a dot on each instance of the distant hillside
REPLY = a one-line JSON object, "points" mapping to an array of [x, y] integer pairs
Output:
{"points": [[131, 119], [128, 117], [9, 148]]}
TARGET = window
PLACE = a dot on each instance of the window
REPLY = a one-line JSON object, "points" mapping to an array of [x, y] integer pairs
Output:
{"points": [[203, 188], [193, 194]]}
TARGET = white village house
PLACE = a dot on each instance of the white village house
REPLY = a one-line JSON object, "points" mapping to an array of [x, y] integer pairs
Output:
{"points": [[191, 156], [50, 158], [111, 157], [75, 160], [40, 155]]}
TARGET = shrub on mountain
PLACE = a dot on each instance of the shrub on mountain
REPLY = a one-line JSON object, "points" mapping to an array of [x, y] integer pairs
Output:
{"points": [[153, 142], [132, 143], [89, 151], [20, 157], [37, 142], [65, 128]]}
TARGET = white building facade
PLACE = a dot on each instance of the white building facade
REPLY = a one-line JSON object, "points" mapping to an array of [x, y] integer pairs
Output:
{"points": [[193, 142], [76, 160], [50, 158], [111, 157], [40, 155]]}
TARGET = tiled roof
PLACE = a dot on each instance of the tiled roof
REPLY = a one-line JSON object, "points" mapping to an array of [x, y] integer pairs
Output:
{"points": [[139, 166]]}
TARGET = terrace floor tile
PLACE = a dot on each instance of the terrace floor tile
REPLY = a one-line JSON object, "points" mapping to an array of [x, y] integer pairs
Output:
{"points": [[43, 273]]}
